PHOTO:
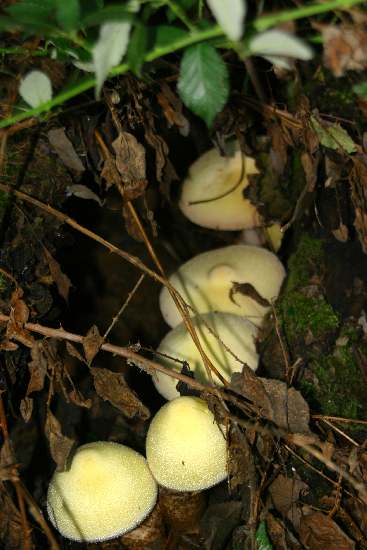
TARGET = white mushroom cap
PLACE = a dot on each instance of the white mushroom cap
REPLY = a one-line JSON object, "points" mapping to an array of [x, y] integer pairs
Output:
{"points": [[186, 450], [234, 332], [107, 491], [206, 280], [211, 176]]}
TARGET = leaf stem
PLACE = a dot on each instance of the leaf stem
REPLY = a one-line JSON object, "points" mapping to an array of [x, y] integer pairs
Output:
{"points": [[90, 82], [180, 14], [265, 21]]}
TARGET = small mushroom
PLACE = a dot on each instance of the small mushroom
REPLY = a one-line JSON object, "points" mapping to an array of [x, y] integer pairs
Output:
{"points": [[233, 347], [106, 491], [212, 194], [185, 448], [239, 279]]}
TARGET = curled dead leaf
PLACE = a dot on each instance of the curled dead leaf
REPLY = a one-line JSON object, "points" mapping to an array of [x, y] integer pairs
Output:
{"points": [[61, 280], [318, 530], [111, 386], [92, 343], [60, 444]]}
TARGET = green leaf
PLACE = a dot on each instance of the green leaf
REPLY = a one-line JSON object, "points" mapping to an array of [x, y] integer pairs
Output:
{"points": [[35, 88], [68, 14], [137, 48], [107, 14], [109, 49], [203, 82], [275, 43], [361, 89], [32, 16], [230, 15], [262, 539], [333, 136], [167, 34]]}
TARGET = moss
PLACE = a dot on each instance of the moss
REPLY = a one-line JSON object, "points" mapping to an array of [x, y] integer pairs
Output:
{"points": [[304, 262], [338, 387], [304, 314]]}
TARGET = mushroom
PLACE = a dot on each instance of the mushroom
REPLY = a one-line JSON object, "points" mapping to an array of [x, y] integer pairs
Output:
{"points": [[234, 346], [185, 448], [212, 194], [106, 491], [239, 279]]}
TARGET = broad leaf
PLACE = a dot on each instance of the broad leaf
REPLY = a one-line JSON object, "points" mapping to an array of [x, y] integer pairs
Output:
{"points": [[333, 136], [67, 14], [107, 15], [203, 83], [361, 89], [230, 15], [109, 49], [137, 48], [280, 43], [35, 88], [166, 34]]}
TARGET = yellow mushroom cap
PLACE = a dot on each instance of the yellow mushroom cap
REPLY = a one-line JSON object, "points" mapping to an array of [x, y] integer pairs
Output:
{"points": [[235, 333], [186, 450], [212, 176], [206, 280], [107, 491]]}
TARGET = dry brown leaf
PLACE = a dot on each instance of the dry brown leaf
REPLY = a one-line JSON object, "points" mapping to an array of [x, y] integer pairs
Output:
{"points": [[285, 493], [11, 531], [341, 233], [92, 343], [345, 48], [276, 532], [111, 386], [131, 226], [319, 531], [26, 408], [282, 405], [76, 397], [172, 109], [218, 522], [130, 162], [65, 150], [83, 192], [110, 173], [8, 345], [72, 350], [37, 368], [61, 280], [19, 314], [358, 182], [60, 444]]}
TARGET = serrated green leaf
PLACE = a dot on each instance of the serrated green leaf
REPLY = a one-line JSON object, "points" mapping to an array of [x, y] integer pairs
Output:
{"points": [[262, 539], [137, 48], [109, 49], [68, 14], [203, 82], [230, 15], [333, 136], [35, 88]]}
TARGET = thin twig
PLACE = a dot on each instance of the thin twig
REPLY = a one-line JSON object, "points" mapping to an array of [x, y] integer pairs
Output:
{"points": [[124, 306]]}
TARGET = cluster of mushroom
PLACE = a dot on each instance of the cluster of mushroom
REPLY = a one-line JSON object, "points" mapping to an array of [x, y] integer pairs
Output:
{"points": [[108, 489], [229, 290]]}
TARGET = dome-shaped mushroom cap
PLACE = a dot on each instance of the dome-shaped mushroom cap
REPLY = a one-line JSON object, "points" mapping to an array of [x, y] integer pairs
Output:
{"points": [[235, 334], [186, 450], [205, 282], [107, 491], [211, 176]]}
